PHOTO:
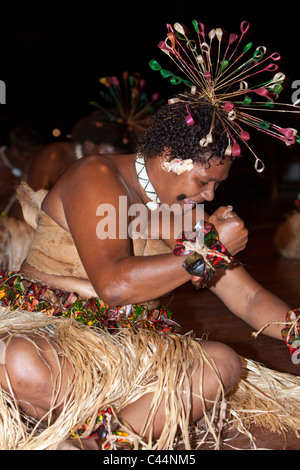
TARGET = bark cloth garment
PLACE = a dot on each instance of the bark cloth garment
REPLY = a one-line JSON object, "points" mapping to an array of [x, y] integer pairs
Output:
{"points": [[111, 371], [15, 239]]}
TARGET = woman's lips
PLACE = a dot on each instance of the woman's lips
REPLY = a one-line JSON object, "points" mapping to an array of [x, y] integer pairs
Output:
{"points": [[189, 201]]}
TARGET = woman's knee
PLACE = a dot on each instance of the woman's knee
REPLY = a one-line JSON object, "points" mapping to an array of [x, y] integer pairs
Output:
{"points": [[34, 371], [227, 363], [26, 366]]}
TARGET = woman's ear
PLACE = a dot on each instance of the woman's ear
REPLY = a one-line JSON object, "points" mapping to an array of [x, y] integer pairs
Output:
{"points": [[166, 155], [165, 159]]}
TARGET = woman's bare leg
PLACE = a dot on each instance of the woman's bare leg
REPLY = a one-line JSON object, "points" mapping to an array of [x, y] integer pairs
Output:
{"points": [[229, 366], [36, 375]]}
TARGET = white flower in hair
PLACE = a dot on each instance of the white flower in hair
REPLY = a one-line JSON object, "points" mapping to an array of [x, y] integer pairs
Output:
{"points": [[179, 166]]}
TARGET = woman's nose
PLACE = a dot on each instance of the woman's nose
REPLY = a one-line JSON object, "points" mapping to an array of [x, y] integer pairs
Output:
{"points": [[209, 193]]}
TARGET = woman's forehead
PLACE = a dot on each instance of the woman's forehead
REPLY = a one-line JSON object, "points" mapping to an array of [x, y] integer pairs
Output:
{"points": [[215, 169]]}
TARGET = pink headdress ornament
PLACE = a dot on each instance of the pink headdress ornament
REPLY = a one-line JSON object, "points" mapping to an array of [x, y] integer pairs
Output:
{"points": [[223, 81]]}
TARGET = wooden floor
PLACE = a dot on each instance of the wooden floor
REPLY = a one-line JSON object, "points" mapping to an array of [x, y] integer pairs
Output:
{"points": [[202, 312]]}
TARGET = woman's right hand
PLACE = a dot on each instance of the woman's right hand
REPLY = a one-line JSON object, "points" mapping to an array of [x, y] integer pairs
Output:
{"points": [[231, 229]]}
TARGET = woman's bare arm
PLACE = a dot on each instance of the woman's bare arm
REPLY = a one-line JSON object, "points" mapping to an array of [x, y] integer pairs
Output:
{"points": [[117, 276], [82, 287], [251, 302]]}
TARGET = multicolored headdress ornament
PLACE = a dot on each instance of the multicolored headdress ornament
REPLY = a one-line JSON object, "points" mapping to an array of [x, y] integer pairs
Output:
{"points": [[126, 101], [219, 72]]}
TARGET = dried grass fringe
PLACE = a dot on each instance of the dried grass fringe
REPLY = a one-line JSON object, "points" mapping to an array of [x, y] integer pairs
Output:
{"points": [[109, 370], [115, 370], [265, 398]]}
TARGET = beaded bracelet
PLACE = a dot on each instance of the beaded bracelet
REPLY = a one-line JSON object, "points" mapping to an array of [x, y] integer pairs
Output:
{"points": [[205, 253], [291, 332]]}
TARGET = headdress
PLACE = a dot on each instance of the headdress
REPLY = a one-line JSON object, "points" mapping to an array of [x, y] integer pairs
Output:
{"points": [[126, 101], [219, 72]]}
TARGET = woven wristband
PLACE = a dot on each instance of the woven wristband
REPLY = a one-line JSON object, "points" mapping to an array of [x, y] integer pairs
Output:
{"points": [[205, 254], [291, 332]]}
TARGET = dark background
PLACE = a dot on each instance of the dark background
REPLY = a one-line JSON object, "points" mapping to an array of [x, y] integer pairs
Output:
{"points": [[52, 53]]}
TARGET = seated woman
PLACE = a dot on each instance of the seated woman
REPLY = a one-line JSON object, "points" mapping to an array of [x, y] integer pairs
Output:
{"points": [[110, 283]]}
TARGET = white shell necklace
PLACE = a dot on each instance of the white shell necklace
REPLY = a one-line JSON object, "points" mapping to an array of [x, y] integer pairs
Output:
{"points": [[145, 182]]}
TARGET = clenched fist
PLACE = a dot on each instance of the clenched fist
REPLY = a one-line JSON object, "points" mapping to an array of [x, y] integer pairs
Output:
{"points": [[231, 229]]}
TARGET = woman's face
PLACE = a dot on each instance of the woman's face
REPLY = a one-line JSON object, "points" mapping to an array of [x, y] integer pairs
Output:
{"points": [[195, 186]]}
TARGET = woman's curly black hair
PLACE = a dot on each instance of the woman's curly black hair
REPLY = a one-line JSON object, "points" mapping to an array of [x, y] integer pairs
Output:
{"points": [[169, 129]]}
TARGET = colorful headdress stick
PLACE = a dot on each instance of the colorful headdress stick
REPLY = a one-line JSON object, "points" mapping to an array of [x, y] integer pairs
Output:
{"points": [[223, 80], [126, 100]]}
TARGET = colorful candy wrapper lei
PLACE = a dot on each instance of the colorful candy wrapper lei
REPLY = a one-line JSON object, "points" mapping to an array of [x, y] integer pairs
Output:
{"points": [[17, 292], [206, 254], [291, 332], [106, 432]]}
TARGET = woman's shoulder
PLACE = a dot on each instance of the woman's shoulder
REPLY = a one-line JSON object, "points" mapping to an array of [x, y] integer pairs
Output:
{"points": [[94, 178], [95, 163], [91, 179], [92, 166]]}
